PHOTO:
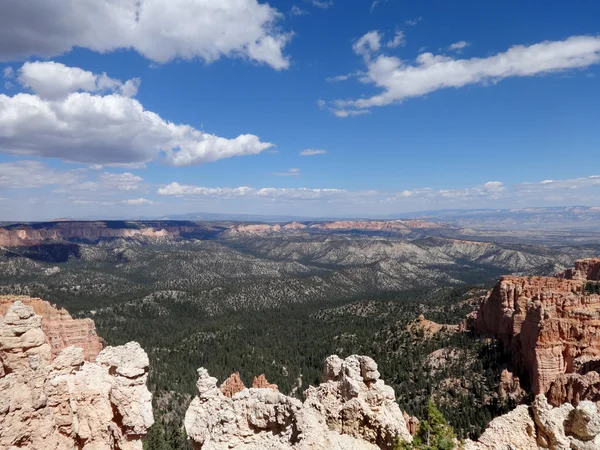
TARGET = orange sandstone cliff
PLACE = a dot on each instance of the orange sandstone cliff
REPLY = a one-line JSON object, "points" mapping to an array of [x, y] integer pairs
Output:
{"points": [[551, 326], [60, 330]]}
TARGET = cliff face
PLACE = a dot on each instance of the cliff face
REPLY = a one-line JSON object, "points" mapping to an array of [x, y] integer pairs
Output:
{"points": [[551, 326], [352, 408], [64, 402], [60, 330], [28, 235]]}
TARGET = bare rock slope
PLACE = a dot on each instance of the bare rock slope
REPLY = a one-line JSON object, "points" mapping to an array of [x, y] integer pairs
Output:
{"points": [[352, 408], [60, 401], [542, 426], [551, 325]]}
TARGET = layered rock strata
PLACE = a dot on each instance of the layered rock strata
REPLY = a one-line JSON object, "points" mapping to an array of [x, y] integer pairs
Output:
{"points": [[60, 329], [551, 326], [352, 408], [65, 402]]}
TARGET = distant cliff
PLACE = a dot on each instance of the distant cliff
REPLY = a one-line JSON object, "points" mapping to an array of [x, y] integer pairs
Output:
{"points": [[551, 326]]}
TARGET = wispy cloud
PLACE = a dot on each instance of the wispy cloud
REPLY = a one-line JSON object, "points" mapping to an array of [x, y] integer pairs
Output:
{"points": [[413, 22], [457, 46], [376, 3], [399, 80], [312, 152], [297, 11], [323, 4], [289, 173], [398, 40]]}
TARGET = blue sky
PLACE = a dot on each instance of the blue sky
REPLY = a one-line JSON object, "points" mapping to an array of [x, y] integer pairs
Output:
{"points": [[118, 109]]}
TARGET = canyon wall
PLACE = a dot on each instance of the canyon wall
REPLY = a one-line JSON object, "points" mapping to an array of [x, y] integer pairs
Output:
{"points": [[29, 235], [551, 326], [60, 329], [60, 400]]}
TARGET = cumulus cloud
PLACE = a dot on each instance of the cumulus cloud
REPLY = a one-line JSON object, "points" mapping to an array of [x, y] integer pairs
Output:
{"points": [[52, 80], [457, 46], [312, 152], [289, 173], [160, 30], [111, 129], [34, 174], [397, 41], [399, 80], [367, 45], [413, 22], [494, 193], [8, 72]]}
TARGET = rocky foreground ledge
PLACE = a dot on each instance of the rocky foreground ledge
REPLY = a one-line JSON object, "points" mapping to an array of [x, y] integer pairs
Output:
{"points": [[352, 409], [61, 401]]}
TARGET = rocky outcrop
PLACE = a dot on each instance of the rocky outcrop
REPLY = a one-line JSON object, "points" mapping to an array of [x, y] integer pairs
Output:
{"points": [[232, 385], [427, 329], [261, 382], [65, 402], [352, 408], [60, 329], [542, 426], [510, 388], [551, 325]]}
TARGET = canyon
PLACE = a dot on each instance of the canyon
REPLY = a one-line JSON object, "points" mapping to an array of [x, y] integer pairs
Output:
{"points": [[58, 398], [551, 327]]}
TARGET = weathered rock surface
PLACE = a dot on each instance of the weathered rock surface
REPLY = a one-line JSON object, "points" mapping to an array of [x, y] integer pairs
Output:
{"points": [[551, 325], [60, 329], [232, 385], [352, 408], [65, 402], [542, 426]]}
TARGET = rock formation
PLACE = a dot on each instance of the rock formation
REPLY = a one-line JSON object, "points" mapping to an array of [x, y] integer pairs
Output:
{"points": [[261, 382], [542, 426], [352, 408], [232, 385], [60, 330], [551, 326], [65, 402]]}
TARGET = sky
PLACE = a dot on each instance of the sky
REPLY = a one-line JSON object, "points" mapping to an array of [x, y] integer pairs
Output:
{"points": [[149, 108]]}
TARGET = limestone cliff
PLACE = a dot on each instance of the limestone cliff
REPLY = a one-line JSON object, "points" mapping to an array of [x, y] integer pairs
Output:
{"points": [[60, 329], [352, 408], [551, 326], [62, 401], [542, 426]]}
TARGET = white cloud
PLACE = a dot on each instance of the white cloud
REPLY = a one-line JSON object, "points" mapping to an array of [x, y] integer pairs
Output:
{"points": [[104, 129], [8, 85], [34, 174], [131, 202], [52, 80], [344, 77], [312, 152], [569, 184], [289, 173], [397, 41], [8, 72], [413, 22], [323, 4], [160, 30], [375, 3], [297, 11], [367, 45], [458, 45], [399, 80]]}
